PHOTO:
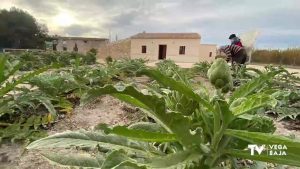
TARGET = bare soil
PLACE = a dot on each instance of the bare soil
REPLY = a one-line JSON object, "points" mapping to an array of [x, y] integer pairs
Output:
{"points": [[104, 110], [288, 128]]}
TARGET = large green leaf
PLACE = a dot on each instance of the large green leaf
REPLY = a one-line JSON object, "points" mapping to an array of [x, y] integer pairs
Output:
{"points": [[176, 85], [264, 138], [179, 160], [83, 161], [147, 126], [7, 69], [119, 159], [11, 85], [47, 103], [252, 86], [290, 159], [3, 61], [141, 134], [253, 102], [155, 107], [91, 139], [293, 146]]}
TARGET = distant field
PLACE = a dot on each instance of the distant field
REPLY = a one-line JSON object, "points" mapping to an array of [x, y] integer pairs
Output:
{"points": [[257, 66], [291, 70], [279, 57]]}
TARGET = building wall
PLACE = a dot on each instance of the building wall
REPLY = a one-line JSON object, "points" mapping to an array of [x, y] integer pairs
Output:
{"points": [[191, 49], [207, 52], [83, 45], [116, 50]]}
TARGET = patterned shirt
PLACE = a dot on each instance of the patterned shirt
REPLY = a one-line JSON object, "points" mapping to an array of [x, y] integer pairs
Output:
{"points": [[231, 50]]}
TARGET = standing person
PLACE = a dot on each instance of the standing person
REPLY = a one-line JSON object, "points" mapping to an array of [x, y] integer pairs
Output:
{"points": [[235, 53], [235, 40]]}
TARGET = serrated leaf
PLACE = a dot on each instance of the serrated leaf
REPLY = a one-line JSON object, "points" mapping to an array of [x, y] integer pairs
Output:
{"points": [[119, 159], [147, 126], [251, 86], [254, 102], [293, 147], [176, 85], [11, 85], [78, 160], [291, 159], [180, 160], [49, 106], [90, 139], [155, 107], [142, 135], [287, 112]]}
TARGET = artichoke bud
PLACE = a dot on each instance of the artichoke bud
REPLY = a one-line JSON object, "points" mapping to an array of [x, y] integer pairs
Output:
{"points": [[219, 75]]}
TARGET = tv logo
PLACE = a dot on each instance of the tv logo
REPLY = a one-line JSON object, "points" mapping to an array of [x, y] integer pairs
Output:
{"points": [[271, 150], [258, 149]]}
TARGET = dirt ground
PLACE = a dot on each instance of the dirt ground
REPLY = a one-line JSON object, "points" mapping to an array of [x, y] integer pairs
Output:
{"points": [[103, 110]]}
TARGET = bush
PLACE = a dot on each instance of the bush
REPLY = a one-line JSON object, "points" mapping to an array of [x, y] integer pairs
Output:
{"points": [[281, 57], [201, 68], [108, 59], [35, 60]]}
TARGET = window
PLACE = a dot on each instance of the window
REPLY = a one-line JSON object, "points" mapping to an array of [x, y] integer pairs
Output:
{"points": [[54, 47], [210, 54], [75, 49], [65, 46], [144, 49], [181, 50]]}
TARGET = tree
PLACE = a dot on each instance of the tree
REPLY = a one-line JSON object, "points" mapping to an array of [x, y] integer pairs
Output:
{"points": [[19, 29]]}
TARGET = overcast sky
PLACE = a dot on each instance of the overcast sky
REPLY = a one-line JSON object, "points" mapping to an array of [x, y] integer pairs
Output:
{"points": [[278, 21]]}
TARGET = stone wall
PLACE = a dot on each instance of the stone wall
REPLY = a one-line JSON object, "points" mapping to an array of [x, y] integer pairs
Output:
{"points": [[207, 52], [116, 50], [83, 46]]}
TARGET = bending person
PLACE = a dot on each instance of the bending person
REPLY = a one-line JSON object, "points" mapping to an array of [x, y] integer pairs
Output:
{"points": [[235, 53]]}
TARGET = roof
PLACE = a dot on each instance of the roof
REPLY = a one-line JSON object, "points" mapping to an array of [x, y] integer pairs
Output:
{"points": [[208, 44], [80, 38], [166, 36]]}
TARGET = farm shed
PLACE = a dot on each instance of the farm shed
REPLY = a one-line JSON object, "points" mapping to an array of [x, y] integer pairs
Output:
{"points": [[180, 47], [78, 44]]}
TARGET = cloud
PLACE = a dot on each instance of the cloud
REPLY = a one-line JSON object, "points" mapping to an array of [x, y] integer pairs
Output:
{"points": [[76, 30], [214, 20], [38, 7]]}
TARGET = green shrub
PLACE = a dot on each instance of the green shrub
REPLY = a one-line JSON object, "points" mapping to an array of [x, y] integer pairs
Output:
{"points": [[280, 57], [35, 60], [15, 99], [201, 68], [108, 59]]}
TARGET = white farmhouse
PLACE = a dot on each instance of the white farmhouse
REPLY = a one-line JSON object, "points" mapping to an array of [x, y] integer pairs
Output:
{"points": [[179, 47]]}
